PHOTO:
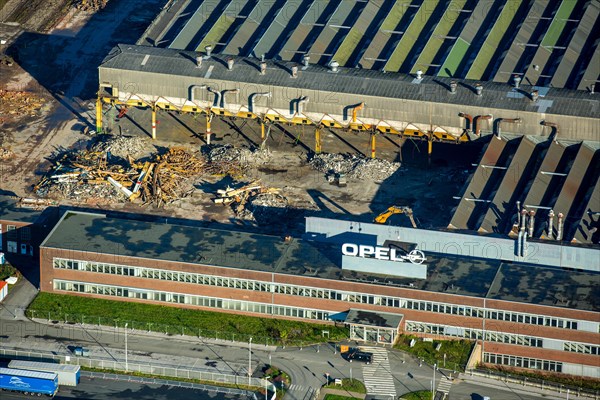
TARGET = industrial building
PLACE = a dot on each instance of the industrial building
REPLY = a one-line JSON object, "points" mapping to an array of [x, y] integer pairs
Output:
{"points": [[539, 310], [545, 43]]}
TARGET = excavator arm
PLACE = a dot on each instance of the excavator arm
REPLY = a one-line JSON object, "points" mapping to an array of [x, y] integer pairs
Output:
{"points": [[383, 217]]}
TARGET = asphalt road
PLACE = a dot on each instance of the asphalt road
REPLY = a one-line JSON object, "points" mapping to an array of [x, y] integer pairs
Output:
{"points": [[470, 391], [99, 389]]}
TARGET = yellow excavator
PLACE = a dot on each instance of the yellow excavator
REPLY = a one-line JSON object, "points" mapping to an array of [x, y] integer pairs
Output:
{"points": [[383, 217]]}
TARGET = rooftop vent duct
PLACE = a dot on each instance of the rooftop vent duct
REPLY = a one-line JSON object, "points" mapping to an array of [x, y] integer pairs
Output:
{"points": [[479, 89], [305, 60], [334, 66], [534, 96], [453, 86], [263, 68], [295, 71], [198, 62], [560, 226], [516, 80], [550, 223], [419, 74], [208, 50], [230, 64]]}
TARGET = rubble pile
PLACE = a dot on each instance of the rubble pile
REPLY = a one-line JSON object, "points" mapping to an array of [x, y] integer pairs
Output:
{"points": [[353, 166], [18, 103], [231, 158], [268, 207], [6, 154], [122, 146], [91, 5], [94, 174], [254, 202]]}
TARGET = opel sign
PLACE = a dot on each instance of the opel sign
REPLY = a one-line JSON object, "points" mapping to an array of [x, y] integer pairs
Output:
{"points": [[382, 253]]}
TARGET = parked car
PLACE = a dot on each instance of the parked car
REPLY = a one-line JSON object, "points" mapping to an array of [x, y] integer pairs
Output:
{"points": [[360, 356]]}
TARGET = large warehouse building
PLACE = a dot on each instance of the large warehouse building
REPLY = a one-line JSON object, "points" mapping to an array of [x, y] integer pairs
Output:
{"points": [[539, 311]]}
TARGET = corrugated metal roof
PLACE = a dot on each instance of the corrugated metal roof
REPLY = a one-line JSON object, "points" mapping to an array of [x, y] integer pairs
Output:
{"points": [[43, 366], [510, 189], [573, 183], [483, 183], [28, 374], [392, 85]]}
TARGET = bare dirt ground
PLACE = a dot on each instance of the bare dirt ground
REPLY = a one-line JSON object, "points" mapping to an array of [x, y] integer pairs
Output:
{"points": [[61, 68]]}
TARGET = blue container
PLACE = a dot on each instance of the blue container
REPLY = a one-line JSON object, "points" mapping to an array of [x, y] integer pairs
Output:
{"points": [[28, 381]]}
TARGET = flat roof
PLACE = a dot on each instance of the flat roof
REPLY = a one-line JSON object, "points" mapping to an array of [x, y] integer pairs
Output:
{"points": [[449, 274], [9, 211], [28, 374], [145, 59], [373, 318], [43, 366]]}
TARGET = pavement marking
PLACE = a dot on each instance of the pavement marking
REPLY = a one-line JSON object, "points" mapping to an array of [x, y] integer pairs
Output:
{"points": [[444, 385], [376, 376]]}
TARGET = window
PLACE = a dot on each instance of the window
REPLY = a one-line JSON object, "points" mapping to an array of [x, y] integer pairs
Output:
{"points": [[11, 232], [26, 234]]}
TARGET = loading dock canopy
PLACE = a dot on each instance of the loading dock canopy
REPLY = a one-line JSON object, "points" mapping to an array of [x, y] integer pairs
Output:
{"points": [[372, 326], [373, 318]]}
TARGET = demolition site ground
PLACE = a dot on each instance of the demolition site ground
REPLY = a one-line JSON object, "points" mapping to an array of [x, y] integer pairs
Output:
{"points": [[48, 83]]}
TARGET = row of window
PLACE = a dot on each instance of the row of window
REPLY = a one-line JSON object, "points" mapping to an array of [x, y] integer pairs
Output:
{"points": [[294, 290], [582, 348], [523, 362], [212, 302], [11, 233], [475, 334]]}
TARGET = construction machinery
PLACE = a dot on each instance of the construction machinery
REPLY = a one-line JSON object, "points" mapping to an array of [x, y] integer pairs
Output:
{"points": [[383, 217]]}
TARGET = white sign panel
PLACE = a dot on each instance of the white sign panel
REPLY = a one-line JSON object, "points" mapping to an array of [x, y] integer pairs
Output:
{"points": [[382, 253]]}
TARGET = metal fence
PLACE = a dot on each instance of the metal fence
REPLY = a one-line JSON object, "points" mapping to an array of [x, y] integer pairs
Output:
{"points": [[536, 382], [134, 367], [170, 330], [239, 393]]}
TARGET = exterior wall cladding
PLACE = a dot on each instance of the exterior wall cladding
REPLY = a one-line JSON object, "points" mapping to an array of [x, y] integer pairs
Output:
{"points": [[49, 274]]}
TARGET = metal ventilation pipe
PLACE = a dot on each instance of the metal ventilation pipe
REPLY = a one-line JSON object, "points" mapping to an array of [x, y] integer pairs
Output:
{"points": [[523, 219], [334, 65], [477, 127], [305, 60], [535, 95], [301, 103], [263, 68], [453, 86], [234, 91], [230, 63], [479, 89], [208, 50], [550, 223], [552, 125], [518, 213], [253, 96], [356, 109], [295, 71], [419, 74], [469, 118], [192, 99], [531, 222], [525, 245], [198, 62], [501, 120], [560, 226], [217, 94], [516, 80]]}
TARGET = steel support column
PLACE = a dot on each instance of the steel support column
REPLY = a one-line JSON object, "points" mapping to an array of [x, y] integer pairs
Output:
{"points": [[372, 145], [262, 129], [98, 115], [208, 131], [153, 121], [318, 140]]}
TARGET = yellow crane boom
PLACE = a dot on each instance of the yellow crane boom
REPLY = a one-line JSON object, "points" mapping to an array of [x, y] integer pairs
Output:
{"points": [[383, 217]]}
